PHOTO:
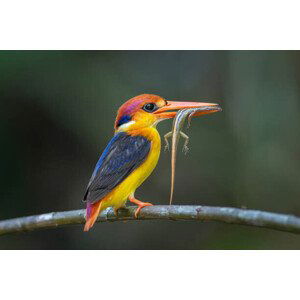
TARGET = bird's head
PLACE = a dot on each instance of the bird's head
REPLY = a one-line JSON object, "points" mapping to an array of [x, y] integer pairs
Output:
{"points": [[147, 110]]}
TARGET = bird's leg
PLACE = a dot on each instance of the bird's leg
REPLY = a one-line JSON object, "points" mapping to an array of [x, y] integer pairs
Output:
{"points": [[185, 148], [116, 210], [166, 136], [139, 203]]}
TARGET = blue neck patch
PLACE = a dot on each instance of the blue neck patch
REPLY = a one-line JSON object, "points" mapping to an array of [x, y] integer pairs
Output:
{"points": [[123, 120]]}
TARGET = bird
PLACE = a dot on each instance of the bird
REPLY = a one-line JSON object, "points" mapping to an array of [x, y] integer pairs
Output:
{"points": [[131, 155]]}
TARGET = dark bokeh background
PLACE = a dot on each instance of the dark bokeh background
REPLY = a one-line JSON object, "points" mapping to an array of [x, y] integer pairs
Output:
{"points": [[57, 113]]}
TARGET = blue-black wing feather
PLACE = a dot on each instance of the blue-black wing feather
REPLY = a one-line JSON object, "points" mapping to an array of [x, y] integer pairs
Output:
{"points": [[123, 154]]}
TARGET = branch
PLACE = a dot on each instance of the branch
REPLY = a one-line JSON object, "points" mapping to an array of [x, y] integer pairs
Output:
{"points": [[158, 212]]}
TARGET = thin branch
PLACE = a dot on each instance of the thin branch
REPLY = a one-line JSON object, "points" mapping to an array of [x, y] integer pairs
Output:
{"points": [[158, 212]]}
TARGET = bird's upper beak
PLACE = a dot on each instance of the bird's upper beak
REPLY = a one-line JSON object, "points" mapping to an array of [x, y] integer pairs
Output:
{"points": [[169, 111]]}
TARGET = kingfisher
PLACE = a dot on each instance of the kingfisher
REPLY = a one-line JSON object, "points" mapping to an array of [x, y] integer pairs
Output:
{"points": [[132, 153]]}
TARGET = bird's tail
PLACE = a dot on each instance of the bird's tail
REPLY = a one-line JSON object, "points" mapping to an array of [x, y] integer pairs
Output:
{"points": [[92, 212]]}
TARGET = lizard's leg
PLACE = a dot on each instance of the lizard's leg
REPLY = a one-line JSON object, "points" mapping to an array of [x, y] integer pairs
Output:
{"points": [[166, 136], [185, 148]]}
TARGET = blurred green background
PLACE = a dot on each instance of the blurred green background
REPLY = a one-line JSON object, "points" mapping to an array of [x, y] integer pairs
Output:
{"points": [[57, 114]]}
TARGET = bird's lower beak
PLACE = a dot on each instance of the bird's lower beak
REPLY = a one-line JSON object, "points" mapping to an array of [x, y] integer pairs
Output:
{"points": [[170, 110]]}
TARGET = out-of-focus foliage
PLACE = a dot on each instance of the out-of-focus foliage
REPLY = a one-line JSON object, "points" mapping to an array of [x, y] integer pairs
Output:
{"points": [[57, 113]]}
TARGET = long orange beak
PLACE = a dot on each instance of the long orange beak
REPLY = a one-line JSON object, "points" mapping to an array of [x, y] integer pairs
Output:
{"points": [[169, 111]]}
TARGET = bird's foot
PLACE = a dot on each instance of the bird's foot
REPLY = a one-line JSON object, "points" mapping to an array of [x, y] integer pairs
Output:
{"points": [[116, 210], [140, 205]]}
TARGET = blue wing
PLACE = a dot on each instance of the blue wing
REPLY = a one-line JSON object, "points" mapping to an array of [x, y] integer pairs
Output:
{"points": [[123, 154]]}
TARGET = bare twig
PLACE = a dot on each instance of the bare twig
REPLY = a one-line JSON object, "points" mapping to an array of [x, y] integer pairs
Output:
{"points": [[159, 212]]}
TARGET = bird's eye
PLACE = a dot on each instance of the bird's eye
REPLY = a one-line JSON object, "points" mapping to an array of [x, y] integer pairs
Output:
{"points": [[150, 107]]}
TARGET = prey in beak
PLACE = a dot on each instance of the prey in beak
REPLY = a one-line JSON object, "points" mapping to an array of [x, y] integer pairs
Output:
{"points": [[169, 111], [182, 111]]}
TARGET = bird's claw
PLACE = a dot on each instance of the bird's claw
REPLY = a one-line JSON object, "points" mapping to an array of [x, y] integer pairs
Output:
{"points": [[116, 210], [139, 203], [140, 206]]}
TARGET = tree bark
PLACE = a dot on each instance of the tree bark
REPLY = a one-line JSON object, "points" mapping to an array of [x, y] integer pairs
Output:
{"points": [[230, 215]]}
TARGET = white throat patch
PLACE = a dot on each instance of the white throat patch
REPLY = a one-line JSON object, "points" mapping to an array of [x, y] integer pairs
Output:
{"points": [[125, 126]]}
